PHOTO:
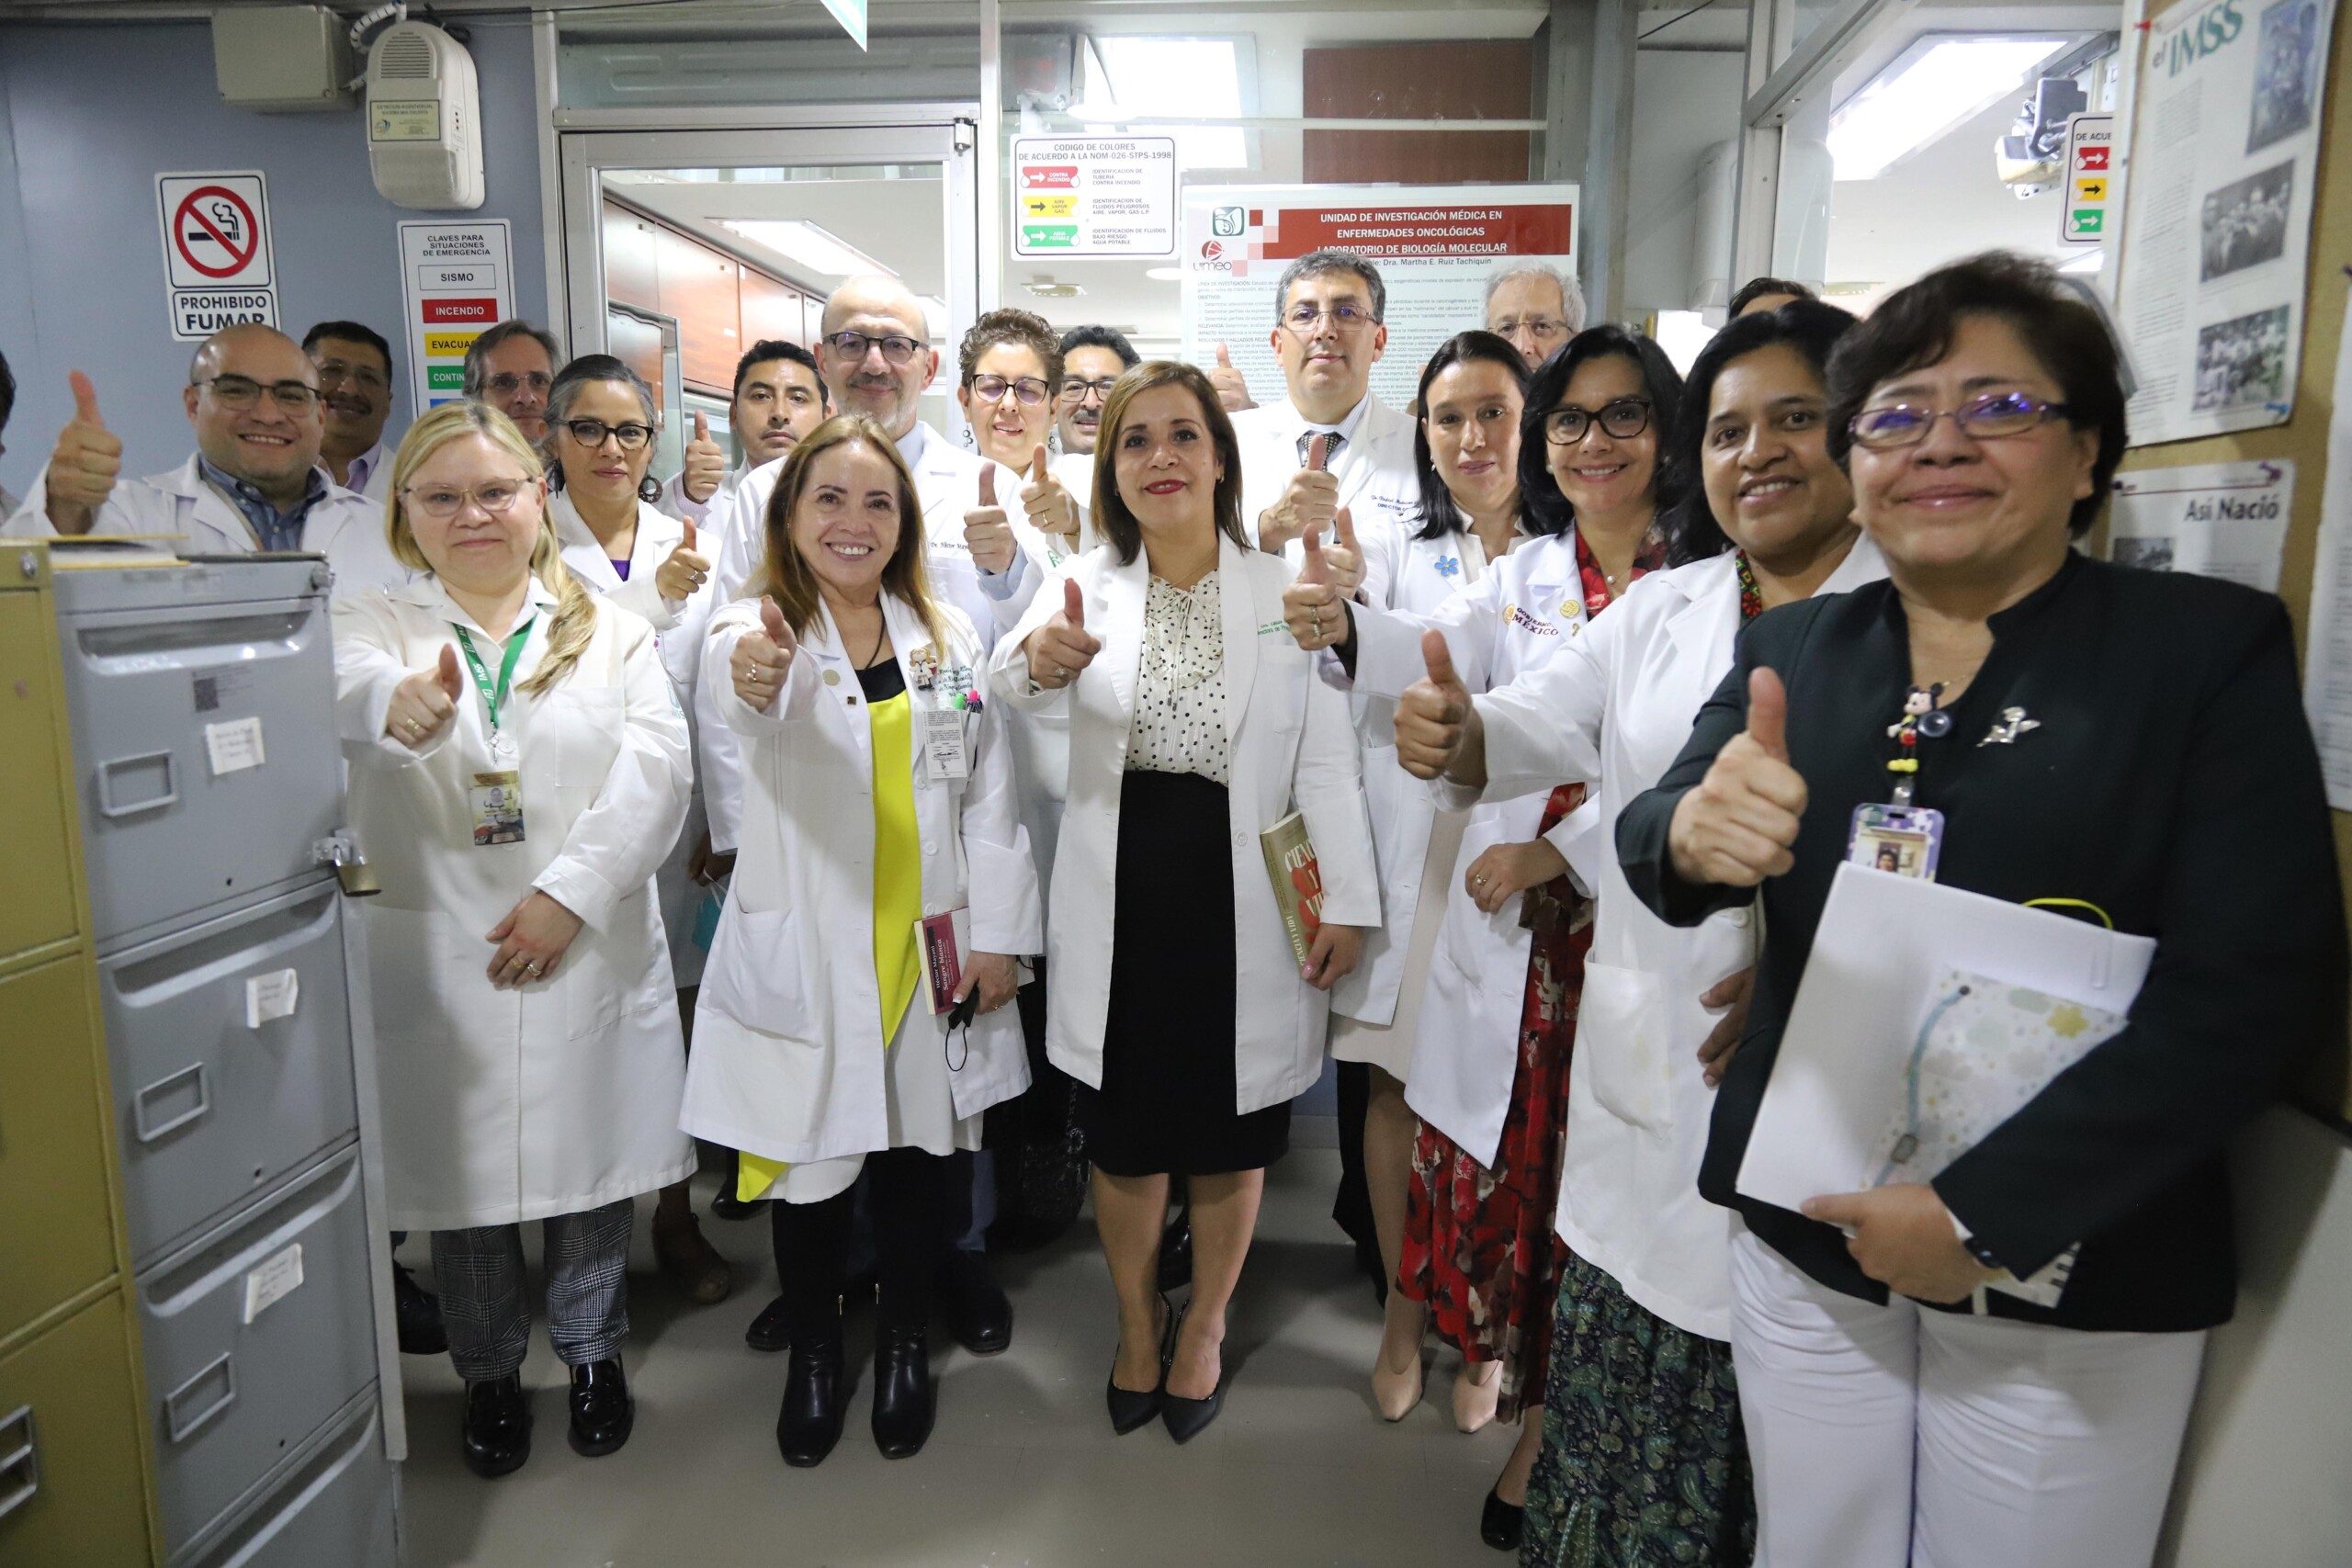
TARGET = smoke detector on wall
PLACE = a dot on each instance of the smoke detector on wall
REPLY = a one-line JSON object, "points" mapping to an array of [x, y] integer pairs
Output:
{"points": [[423, 119]]}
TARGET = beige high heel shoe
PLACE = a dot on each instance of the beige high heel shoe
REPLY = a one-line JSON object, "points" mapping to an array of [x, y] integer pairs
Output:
{"points": [[1396, 1391], [1476, 1396]]}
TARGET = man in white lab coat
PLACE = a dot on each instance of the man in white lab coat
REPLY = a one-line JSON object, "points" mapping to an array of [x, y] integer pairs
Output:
{"points": [[778, 399], [1329, 334], [254, 482], [355, 392]]}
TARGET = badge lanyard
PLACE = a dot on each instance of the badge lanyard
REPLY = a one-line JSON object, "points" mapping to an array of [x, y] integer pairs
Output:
{"points": [[1901, 837], [494, 698]]}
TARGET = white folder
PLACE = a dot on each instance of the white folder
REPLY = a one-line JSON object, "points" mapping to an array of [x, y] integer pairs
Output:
{"points": [[1843, 1058]]}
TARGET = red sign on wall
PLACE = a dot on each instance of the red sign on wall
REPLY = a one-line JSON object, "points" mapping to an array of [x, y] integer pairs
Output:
{"points": [[461, 312], [1421, 233]]}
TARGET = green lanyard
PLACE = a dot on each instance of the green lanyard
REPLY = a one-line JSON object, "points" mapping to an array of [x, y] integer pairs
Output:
{"points": [[494, 699]]}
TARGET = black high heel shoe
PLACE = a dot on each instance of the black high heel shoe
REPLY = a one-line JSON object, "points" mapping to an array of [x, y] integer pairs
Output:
{"points": [[1188, 1418], [1499, 1524], [1129, 1409]]}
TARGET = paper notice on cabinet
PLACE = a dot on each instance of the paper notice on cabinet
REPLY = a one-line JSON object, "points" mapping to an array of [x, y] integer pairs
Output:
{"points": [[233, 746], [2224, 520], [277, 1277], [2327, 664], [271, 996]]}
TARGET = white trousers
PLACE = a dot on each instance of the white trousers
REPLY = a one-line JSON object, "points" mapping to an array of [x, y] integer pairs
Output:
{"points": [[1890, 1436]]}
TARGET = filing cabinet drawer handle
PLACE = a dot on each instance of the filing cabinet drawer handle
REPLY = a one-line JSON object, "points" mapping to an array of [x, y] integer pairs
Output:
{"points": [[219, 1379], [137, 771], [149, 1132], [20, 1461]]}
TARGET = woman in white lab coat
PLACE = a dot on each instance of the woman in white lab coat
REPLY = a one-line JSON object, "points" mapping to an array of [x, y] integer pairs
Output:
{"points": [[601, 424], [879, 811], [1466, 446], [1196, 724], [1488, 1077], [1641, 1340], [518, 765]]}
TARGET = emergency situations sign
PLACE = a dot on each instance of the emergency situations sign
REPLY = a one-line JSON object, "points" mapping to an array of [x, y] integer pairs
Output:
{"points": [[217, 266], [458, 280], [2088, 181], [1094, 196]]}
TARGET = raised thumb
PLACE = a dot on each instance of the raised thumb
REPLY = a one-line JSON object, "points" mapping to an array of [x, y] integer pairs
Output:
{"points": [[772, 621], [1037, 465], [1073, 603], [85, 399], [1316, 571], [688, 542], [446, 672], [988, 484], [702, 427], [1768, 713], [1343, 529], [1224, 357], [1317, 450], [1439, 658]]}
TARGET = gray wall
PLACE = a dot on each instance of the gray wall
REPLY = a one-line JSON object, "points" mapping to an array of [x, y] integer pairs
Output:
{"points": [[94, 113]]}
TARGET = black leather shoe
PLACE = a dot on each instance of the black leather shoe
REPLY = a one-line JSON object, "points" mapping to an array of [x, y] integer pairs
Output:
{"points": [[724, 1205], [1499, 1524], [1130, 1410], [495, 1436], [417, 1313], [979, 1312], [1176, 1255], [771, 1330], [904, 1405], [809, 1423], [602, 1411]]}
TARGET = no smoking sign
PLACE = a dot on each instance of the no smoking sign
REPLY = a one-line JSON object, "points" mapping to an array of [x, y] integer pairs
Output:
{"points": [[216, 264]]}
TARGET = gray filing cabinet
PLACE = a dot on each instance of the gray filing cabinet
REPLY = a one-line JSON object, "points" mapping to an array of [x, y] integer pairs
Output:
{"points": [[201, 698]]}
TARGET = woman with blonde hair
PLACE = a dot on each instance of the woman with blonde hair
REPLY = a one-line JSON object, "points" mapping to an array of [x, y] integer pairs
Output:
{"points": [[878, 831], [518, 769]]}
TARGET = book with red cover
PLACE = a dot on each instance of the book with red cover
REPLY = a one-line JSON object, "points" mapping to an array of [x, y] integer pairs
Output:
{"points": [[944, 939], [1297, 881]]}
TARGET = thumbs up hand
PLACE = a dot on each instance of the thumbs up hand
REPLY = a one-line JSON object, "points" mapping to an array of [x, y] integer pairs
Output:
{"points": [[84, 464], [1343, 557], [1311, 500], [423, 704], [683, 571], [986, 533], [1313, 607], [1738, 825], [1061, 647], [1051, 507], [762, 659], [706, 464], [1438, 730], [1232, 389]]}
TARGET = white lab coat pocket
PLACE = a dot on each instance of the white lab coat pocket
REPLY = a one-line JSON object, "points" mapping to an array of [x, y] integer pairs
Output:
{"points": [[420, 976], [608, 974], [581, 729], [1624, 1030], [753, 974]]}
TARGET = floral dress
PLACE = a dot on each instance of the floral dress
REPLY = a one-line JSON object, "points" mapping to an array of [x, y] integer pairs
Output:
{"points": [[1479, 1248]]}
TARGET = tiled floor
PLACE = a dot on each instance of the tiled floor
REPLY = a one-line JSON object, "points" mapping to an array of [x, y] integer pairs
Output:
{"points": [[1023, 1469]]}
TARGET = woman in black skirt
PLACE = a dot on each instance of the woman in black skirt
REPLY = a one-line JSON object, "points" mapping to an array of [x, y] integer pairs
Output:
{"points": [[1176, 1001]]}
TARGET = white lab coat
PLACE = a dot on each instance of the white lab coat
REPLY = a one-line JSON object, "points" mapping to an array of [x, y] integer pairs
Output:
{"points": [[788, 1059], [1411, 579], [658, 533], [1519, 615], [1291, 746], [346, 528], [1379, 483], [946, 476], [1619, 701], [562, 1095]]}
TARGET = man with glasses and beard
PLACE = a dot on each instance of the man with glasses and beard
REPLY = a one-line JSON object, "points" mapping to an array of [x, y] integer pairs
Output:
{"points": [[355, 391], [252, 484]]}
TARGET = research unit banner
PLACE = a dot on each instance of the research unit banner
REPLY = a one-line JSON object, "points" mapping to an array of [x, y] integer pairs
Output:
{"points": [[2218, 217], [1435, 246]]}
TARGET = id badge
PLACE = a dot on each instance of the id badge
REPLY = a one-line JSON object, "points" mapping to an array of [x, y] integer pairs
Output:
{"points": [[946, 751], [497, 803], [1904, 839]]}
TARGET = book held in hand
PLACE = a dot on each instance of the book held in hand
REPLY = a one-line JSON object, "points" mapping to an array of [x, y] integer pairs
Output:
{"points": [[945, 938], [1298, 881]]}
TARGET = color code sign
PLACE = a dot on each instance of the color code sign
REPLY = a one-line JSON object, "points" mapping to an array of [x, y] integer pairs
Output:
{"points": [[217, 266], [2086, 180], [1094, 196], [456, 278]]}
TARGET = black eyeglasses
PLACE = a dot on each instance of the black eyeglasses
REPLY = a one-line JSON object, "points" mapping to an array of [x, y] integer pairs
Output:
{"points": [[895, 349], [1029, 389], [334, 372], [242, 392], [1346, 316], [1622, 420], [507, 383], [1074, 392], [592, 433], [1987, 418]]}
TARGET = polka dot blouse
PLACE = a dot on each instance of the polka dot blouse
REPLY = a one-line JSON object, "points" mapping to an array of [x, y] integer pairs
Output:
{"points": [[1180, 686]]}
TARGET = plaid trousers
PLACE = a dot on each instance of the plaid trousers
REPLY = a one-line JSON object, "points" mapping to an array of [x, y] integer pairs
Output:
{"points": [[480, 1275]]}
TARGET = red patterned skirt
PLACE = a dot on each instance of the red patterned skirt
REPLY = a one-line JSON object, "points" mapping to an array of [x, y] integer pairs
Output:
{"points": [[1479, 1248]]}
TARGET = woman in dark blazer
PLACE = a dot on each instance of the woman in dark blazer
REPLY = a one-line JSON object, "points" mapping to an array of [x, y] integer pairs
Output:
{"points": [[2131, 740]]}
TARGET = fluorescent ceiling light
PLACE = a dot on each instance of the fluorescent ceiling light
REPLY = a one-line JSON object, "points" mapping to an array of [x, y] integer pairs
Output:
{"points": [[1172, 78], [1931, 87], [819, 250], [1164, 274]]}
